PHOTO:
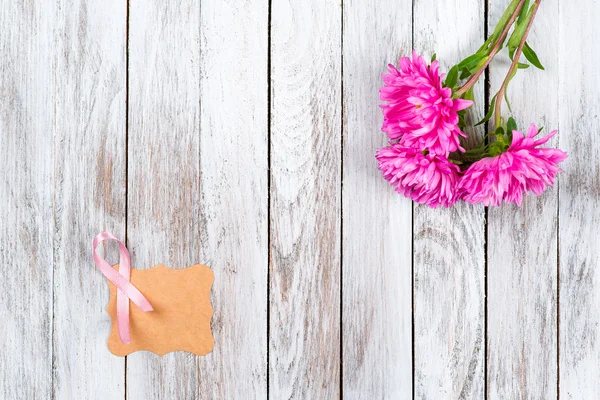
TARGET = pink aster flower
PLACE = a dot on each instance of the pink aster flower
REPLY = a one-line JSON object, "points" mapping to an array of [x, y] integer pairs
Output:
{"points": [[419, 110], [426, 179], [521, 168]]}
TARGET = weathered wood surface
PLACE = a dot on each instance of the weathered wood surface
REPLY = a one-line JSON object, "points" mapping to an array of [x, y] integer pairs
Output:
{"points": [[579, 199], [304, 343], [152, 121], [522, 249], [377, 240], [26, 200], [449, 244], [234, 193], [89, 190], [164, 220]]}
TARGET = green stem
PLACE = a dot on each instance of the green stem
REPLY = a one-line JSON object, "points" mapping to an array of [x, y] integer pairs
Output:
{"points": [[513, 67], [497, 46]]}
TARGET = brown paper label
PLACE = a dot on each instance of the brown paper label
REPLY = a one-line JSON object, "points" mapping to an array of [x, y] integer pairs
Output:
{"points": [[181, 316]]}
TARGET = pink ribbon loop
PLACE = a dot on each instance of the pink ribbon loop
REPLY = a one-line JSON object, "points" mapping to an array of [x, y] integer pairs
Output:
{"points": [[125, 290]]}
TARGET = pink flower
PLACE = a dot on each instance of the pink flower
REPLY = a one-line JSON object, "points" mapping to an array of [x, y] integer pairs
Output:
{"points": [[522, 167], [426, 179], [419, 110]]}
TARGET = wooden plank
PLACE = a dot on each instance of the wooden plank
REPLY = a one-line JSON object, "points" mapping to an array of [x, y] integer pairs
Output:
{"points": [[304, 355], [579, 212], [449, 259], [26, 198], [89, 195], [522, 250], [377, 230], [164, 219], [234, 192]]}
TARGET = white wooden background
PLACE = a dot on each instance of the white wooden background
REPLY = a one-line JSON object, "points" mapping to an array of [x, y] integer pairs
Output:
{"points": [[241, 134]]}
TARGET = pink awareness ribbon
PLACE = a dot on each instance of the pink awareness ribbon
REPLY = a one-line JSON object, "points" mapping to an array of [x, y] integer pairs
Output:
{"points": [[125, 290]]}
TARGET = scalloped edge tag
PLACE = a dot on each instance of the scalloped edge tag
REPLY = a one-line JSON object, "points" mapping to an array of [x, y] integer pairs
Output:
{"points": [[181, 317]]}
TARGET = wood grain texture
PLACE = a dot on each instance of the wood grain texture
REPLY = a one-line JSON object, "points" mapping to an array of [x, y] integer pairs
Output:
{"points": [[304, 357], [89, 189], [449, 243], [579, 211], [234, 191], [377, 230], [522, 250], [189, 183], [164, 219], [26, 198]]}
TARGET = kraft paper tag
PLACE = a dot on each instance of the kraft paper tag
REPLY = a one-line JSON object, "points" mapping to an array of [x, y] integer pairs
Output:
{"points": [[181, 316]]}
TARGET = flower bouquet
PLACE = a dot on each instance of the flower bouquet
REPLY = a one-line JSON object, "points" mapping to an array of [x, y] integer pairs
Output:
{"points": [[424, 118]]}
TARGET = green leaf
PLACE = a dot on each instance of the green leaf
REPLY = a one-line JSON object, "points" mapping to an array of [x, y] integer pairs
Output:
{"points": [[471, 61], [469, 95], [433, 57], [461, 121], [499, 146], [510, 78], [523, 12], [480, 64], [476, 150], [517, 35], [507, 102], [511, 125], [469, 65], [522, 66], [532, 57], [485, 45], [465, 73], [452, 77], [489, 113], [501, 23]]}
